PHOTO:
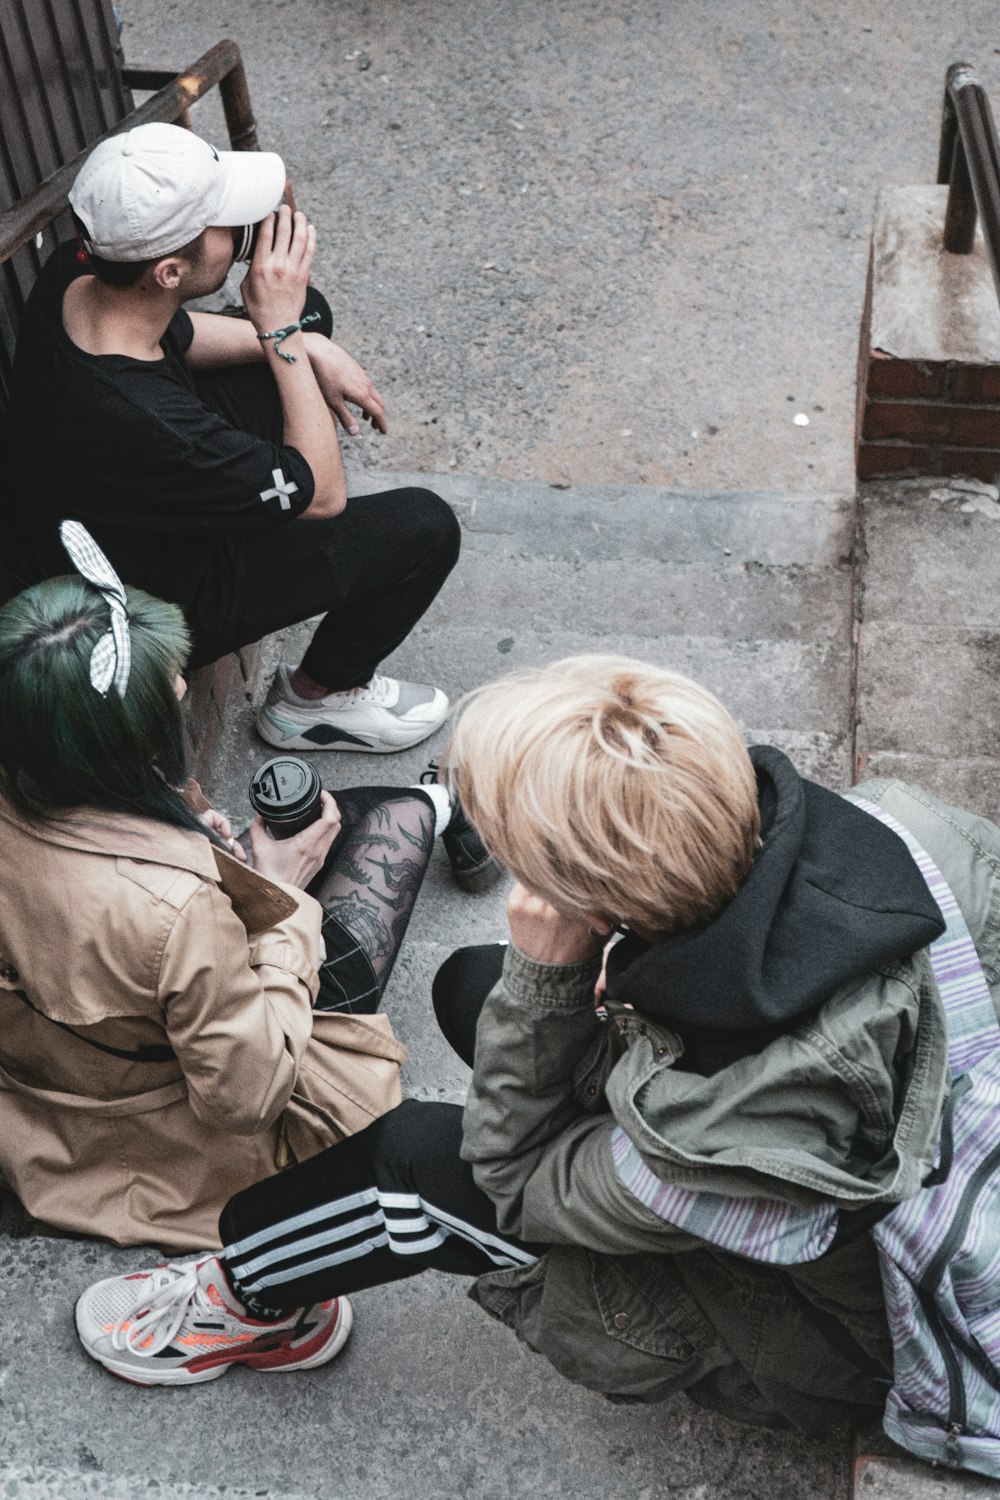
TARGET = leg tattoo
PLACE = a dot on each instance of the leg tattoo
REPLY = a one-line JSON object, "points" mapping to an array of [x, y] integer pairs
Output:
{"points": [[375, 869]]}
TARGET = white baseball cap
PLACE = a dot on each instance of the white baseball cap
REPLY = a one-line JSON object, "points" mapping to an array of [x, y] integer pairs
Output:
{"points": [[155, 188]]}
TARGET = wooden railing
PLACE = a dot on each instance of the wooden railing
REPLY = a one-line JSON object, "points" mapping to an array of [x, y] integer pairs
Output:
{"points": [[221, 66]]}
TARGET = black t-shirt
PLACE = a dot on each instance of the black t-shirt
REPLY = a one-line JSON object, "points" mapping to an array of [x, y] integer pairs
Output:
{"points": [[170, 490]]}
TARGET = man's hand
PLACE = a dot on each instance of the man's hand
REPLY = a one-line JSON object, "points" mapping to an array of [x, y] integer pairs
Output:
{"points": [[274, 288], [548, 936], [274, 291], [298, 859], [341, 379]]}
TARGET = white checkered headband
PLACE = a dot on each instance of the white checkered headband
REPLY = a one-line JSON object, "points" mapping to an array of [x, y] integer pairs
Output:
{"points": [[111, 658]]}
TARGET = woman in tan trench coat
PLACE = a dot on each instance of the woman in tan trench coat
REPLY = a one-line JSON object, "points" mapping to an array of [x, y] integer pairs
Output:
{"points": [[159, 1046]]}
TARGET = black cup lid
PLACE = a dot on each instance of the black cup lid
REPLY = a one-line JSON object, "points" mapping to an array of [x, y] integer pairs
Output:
{"points": [[283, 786]]}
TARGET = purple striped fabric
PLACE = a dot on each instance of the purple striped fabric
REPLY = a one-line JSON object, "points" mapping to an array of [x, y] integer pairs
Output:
{"points": [[763, 1229], [942, 1247], [972, 1022]]}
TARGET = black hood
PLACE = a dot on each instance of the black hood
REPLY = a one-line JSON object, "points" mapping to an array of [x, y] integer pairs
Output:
{"points": [[832, 894]]}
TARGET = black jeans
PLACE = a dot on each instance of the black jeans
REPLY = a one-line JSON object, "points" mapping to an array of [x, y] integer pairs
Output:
{"points": [[371, 571], [389, 1202]]}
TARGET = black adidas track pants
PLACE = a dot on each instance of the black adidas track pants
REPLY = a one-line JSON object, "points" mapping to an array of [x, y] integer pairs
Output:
{"points": [[391, 1201]]}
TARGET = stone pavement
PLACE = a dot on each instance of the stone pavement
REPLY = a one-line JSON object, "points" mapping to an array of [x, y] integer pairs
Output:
{"points": [[598, 240]]}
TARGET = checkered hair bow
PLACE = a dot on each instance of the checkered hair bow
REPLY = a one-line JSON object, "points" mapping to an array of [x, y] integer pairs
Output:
{"points": [[111, 658]]}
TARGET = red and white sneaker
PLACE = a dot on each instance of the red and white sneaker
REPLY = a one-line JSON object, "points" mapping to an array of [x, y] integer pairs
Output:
{"points": [[181, 1324]]}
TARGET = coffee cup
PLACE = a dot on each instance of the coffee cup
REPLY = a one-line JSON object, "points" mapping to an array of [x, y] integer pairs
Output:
{"points": [[285, 791]]}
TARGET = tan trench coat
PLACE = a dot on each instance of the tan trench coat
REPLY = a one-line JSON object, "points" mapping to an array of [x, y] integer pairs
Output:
{"points": [[138, 935]]}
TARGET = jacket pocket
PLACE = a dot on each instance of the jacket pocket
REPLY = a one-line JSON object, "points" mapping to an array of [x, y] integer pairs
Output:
{"points": [[621, 1325], [642, 1304]]}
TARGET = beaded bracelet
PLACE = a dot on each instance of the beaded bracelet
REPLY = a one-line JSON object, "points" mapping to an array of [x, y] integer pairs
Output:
{"points": [[280, 334]]}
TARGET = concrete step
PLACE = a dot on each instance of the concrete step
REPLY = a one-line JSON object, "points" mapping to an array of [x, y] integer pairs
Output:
{"points": [[34, 1482], [603, 522], [883, 1477], [429, 1400], [752, 593], [929, 643], [648, 597]]}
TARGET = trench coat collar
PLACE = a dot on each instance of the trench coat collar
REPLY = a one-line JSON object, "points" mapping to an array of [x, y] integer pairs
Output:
{"points": [[257, 901], [91, 830]]}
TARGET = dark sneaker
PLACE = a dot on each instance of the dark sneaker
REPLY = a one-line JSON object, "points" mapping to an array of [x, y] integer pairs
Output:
{"points": [[473, 866]]}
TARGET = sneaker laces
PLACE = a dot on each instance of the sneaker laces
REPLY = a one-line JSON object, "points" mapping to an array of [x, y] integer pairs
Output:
{"points": [[379, 690], [158, 1315]]}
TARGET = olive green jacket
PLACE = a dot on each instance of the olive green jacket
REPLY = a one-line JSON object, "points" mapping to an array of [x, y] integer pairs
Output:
{"points": [[845, 1107]]}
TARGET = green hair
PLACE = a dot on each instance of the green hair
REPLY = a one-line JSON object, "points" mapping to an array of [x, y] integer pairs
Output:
{"points": [[62, 744]]}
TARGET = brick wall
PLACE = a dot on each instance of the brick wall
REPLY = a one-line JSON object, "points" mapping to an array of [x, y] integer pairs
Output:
{"points": [[932, 405], [927, 417], [215, 694]]}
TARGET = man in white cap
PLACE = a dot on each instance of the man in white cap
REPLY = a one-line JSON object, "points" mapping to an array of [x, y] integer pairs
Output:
{"points": [[202, 451]]}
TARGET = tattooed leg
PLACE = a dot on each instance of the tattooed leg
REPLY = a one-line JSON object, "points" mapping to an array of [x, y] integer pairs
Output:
{"points": [[369, 885]]}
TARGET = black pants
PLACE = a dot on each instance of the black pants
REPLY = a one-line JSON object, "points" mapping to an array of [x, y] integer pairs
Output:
{"points": [[389, 1202], [371, 571]]}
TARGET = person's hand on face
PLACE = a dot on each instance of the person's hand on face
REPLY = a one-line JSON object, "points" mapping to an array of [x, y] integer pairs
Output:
{"points": [[274, 288], [548, 936], [298, 859]]}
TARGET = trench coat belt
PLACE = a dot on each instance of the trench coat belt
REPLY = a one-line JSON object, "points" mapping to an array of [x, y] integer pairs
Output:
{"points": [[131, 1104]]}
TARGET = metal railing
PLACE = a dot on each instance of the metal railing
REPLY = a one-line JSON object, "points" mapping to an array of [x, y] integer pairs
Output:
{"points": [[221, 66], [969, 162]]}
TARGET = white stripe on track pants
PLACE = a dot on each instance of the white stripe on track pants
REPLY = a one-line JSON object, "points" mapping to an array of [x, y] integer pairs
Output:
{"points": [[391, 1201]]}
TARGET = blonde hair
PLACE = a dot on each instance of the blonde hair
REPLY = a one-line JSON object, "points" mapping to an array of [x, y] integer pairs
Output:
{"points": [[610, 788]]}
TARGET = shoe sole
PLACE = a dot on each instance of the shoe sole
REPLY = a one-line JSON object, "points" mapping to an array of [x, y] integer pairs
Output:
{"points": [[482, 878], [180, 1376], [354, 746]]}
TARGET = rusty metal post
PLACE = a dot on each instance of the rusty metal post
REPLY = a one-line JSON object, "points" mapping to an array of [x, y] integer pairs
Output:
{"points": [[960, 214], [953, 168], [240, 122], [949, 135], [975, 165]]}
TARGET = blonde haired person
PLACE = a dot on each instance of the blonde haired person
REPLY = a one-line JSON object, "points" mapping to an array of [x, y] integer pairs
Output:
{"points": [[616, 788], [768, 1029]]}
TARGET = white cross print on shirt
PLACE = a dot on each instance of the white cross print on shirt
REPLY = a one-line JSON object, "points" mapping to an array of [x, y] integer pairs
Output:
{"points": [[282, 489]]}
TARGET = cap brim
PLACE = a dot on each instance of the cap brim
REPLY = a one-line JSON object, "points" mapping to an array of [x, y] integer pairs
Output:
{"points": [[254, 183]]}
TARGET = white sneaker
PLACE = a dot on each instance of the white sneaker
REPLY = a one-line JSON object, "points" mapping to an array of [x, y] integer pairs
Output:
{"points": [[181, 1325], [383, 716]]}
